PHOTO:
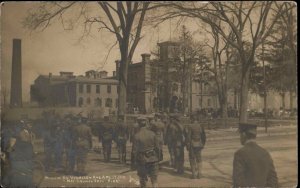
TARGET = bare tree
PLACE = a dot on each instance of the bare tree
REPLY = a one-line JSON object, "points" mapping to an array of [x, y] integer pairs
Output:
{"points": [[249, 22], [123, 19]]}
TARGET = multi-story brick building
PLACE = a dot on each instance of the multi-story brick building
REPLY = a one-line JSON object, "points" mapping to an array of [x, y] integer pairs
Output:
{"points": [[154, 84], [94, 89]]}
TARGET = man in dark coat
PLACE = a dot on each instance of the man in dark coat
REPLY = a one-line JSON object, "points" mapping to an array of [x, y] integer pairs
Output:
{"points": [[252, 165], [146, 149], [121, 137], [157, 126], [83, 143], [178, 142], [196, 139], [106, 137]]}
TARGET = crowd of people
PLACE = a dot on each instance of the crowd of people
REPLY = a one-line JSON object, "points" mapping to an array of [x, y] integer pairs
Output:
{"points": [[71, 136]]}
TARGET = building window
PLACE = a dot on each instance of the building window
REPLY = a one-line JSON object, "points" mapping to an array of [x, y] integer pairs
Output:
{"points": [[208, 102], [98, 102], [80, 88], [116, 103], [108, 88], [108, 102], [97, 88], [88, 101], [88, 88], [80, 101]]}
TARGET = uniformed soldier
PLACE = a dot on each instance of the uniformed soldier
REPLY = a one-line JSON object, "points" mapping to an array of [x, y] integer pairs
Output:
{"points": [[196, 139], [252, 165], [133, 130], [21, 158], [83, 142], [178, 142], [157, 126], [121, 137], [146, 153], [69, 143], [49, 143], [169, 141], [59, 144], [106, 137]]}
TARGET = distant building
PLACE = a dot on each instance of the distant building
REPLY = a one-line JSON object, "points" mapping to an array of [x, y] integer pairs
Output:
{"points": [[154, 85], [94, 89]]}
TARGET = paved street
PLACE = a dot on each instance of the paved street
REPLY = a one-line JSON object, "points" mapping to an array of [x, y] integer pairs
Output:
{"points": [[217, 163]]}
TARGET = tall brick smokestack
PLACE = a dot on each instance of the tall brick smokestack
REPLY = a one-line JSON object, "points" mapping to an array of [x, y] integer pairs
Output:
{"points": [[16, 75]]}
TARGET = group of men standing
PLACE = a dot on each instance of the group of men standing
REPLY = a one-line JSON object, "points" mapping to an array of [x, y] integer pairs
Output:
{"points": [[148, 135], [70, 135]]}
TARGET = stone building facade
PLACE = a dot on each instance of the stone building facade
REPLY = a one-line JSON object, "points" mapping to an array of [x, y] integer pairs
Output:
{"points": [[94, 89]]}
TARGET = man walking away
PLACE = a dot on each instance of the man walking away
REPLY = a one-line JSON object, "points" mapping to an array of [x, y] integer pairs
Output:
{"points": [[252, 165], [196, 139], [146, 149]]}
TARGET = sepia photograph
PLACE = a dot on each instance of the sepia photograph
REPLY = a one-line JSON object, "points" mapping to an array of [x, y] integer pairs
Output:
{"points": [[149, 94]]}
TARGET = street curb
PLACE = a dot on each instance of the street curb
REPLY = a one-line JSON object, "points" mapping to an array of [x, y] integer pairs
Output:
{"points": [[258, 136]]}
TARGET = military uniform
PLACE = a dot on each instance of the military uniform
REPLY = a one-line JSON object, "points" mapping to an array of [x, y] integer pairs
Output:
{"points": [[121, 137], [83, 142], [59, 145], [158, 128], [21, 160], [169, 141], [133, 130], [106, 137], [69, 141], [146, 151], [196, 139], [252, 165], [178, 140]]}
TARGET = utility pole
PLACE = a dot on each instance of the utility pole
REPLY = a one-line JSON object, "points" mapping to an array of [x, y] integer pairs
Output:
{"points": [[265, 91]]}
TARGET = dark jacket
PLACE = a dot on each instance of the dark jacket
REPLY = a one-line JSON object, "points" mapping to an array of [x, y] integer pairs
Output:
{"points": [[253, 167]]}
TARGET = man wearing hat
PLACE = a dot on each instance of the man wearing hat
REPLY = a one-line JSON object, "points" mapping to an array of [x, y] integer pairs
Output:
{"points": [[196, 139], [106, 137], [121, 137], [178, 141], [21, 157], [157, 126], [252, 165], [146, 149], [83, 142]]}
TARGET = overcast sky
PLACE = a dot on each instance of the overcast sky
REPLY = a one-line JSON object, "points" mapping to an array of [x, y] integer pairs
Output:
{"points": [[55, 49]]}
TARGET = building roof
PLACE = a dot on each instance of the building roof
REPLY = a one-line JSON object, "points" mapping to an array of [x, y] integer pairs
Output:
{"points": [[93, 80]]}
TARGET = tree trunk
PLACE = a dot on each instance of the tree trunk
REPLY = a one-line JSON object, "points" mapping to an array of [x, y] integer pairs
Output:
{"points": [[122, 98], [244, 97]]}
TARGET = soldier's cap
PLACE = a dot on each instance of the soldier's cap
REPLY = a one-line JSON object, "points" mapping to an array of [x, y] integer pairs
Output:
{"points": [[247, 127]]}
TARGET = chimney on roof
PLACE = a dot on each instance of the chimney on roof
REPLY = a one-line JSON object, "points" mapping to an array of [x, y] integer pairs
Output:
{"points": [[146, 58], [103, 74]]}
